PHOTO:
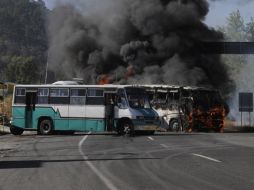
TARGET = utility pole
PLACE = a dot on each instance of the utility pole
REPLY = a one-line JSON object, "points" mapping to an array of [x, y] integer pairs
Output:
{"points": [[2, 86], [46, 71]]}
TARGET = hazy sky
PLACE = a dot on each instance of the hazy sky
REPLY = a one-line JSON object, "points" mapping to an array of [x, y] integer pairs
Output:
{"points": [[219, 10]]}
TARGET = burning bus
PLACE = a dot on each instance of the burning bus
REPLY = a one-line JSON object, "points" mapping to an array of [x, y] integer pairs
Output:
{"points": [[188, 108], [204, 108], [165, 99]]}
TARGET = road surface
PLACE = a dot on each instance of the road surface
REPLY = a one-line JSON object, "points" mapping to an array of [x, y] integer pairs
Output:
{"points": [[163, 161]]}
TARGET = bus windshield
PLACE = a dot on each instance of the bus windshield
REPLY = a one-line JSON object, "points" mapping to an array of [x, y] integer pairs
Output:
{"points": [[138, 101]]}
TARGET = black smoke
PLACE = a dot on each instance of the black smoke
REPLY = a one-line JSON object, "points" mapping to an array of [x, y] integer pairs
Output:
{"points": [[155, 39]]}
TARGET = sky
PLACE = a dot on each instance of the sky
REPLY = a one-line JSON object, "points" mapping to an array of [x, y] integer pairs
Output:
{"points": [[219, 10]]}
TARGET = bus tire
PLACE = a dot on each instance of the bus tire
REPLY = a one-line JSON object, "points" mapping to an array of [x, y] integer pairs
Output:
{"points": [[125, 127], [45, 127], [174, 125], [16, 131]]}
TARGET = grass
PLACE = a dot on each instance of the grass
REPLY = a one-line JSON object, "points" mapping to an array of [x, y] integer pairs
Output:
{"points": [[5, 107]]}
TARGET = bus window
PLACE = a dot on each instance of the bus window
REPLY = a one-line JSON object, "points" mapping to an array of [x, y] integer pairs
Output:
{"points": [[20, 96], [95, 97], [43, 95], [95, 93], [121, 102], [138, 101], [59, 96], [78, 96], [59, 92], [20, 92]]}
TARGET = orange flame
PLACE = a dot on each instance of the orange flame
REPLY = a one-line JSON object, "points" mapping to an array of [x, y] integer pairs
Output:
{"points": [[104, 79], [211, 119]]}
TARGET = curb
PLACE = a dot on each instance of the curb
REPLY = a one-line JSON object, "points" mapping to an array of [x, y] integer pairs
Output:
{"points": [[238, 129]]}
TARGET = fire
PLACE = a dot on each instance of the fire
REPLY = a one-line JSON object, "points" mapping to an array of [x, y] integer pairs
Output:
{"points": [[108, 79], [104, 79], [211, 119]]}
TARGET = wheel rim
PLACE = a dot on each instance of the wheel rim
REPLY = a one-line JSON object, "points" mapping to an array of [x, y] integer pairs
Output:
{"points": [[175, 126], [46, 128], [126, 128]]}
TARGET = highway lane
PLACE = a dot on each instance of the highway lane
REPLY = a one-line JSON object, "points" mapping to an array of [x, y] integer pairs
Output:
{"points": [[163, 161]]}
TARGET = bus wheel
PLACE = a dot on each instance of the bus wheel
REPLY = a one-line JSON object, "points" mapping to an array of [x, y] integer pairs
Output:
{"points": [[16, 130], [174, 125], [126, 127], [45, 127]]}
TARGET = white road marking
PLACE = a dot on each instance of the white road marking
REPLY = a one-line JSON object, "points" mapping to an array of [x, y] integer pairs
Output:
{"points": [[103, 178], [205, 157], [151, 138], [163, 145]]}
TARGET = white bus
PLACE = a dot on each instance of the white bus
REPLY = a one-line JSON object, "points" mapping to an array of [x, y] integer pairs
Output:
{"points": [[97, 108], [165, 99], [188, 107]]}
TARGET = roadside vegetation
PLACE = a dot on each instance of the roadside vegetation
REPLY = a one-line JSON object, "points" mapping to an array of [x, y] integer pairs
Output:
{"points": [[237, 30], [23, 40], [5, 109]]}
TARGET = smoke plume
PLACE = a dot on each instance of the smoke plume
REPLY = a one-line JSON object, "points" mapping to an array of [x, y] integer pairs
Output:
{"points": [[134, 41]]}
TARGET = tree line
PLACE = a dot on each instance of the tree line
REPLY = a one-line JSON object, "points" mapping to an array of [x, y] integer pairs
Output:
{"points": [[23, 40]]}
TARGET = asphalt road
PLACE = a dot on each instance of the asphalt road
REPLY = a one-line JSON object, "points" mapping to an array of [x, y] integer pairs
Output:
{"points": [[164, 161]]}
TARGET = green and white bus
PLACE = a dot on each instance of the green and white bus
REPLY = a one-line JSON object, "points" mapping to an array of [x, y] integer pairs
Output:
{"points": [[96, 108]]}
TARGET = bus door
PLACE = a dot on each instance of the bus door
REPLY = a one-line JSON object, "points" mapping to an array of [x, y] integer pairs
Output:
{"points": [[110, 102], [31, 97], [77, 110], [95, 109]]}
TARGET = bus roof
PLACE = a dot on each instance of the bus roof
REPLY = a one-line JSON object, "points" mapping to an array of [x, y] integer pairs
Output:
{"points": [[198, 88], [162, 86], [76, 86]]}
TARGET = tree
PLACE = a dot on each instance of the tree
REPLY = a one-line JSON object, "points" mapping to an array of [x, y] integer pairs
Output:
{"points": [[22, 34], [235, 29], [250, 29], [22, 70]]}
